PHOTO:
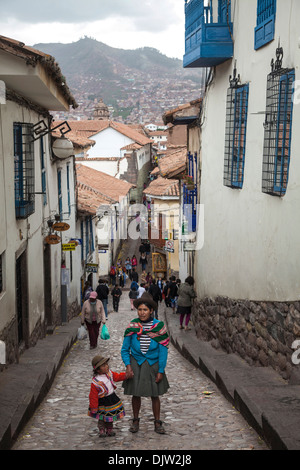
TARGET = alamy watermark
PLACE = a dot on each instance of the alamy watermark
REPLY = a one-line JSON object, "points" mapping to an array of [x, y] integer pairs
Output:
{"points": [[160, 221], [2, 92], [2, 353], [296, 354]]}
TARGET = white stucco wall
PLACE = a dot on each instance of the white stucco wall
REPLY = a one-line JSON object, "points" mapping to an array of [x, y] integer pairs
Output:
{"points": [[252, 244], [108, 143]]}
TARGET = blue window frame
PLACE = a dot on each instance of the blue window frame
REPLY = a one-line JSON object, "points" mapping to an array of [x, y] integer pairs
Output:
{"points": [[278, 131], [82, 240], [43, 171], [23, 170], [265, 23], [235, 135], [68, 189], [224, 13], [60, 205], [87, 238], [92, 248], [190, 195]]}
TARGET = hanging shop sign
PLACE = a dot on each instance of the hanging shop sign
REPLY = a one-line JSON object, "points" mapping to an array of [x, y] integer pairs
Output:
{"points": [[69, 246], [52, 239], [91, 268], [61, 226]]}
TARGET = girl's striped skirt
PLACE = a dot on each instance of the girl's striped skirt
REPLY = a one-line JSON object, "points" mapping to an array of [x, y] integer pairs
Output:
{"points": [[110, 408]]}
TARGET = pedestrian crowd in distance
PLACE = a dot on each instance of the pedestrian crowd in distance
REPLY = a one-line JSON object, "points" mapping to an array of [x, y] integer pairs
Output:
{"points": [[177, 295], [145, 343]]}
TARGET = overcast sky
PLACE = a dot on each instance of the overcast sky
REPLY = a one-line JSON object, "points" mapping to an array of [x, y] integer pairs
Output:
{"points": [[125, 24]]}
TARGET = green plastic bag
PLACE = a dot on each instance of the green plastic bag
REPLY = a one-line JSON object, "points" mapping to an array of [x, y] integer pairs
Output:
{"points": [[104, 332]]}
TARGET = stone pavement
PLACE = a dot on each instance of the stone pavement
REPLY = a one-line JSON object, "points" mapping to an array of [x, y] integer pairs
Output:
{"points": [[43, 399], [195, 413]]}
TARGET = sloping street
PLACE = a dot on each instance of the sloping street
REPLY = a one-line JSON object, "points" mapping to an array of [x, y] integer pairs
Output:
{"points": [[195, 413]]}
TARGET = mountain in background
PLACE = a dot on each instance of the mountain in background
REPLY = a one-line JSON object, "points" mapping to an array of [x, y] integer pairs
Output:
{"points": [[122, 78]]}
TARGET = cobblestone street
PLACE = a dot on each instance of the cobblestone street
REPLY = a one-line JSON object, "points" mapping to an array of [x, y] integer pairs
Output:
{"points": [[193, 418]]}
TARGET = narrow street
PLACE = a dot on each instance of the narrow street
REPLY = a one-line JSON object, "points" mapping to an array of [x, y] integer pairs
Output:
{"points": [[193, 419]]}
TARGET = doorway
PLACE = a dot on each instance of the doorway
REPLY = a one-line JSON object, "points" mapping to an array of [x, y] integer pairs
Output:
{"points": [[47, 286], [22, 300]]}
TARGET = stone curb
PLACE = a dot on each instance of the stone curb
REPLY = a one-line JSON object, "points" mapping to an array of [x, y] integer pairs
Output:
{"points": [[24, 385], [264, 399]]}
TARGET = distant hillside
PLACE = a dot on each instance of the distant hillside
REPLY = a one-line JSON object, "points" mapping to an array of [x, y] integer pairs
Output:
{"points": [[96, 70]]}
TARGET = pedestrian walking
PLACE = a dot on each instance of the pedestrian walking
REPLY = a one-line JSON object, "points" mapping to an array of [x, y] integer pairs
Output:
{"points": [[144, 353], [104, 404], [133, 262], [143, 277], [133, 293], [113, 274], [165, 293], [141, 290], [102, 294], [121, 277], [156, 294], [128, 267], [149, 279], [87, 290], [93, 314], [172, 293], [186, 295], [160, 284], [116, 294], [134, 275], [143, 261]]}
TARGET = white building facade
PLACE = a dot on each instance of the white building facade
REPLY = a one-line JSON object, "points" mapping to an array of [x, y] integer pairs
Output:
{"points": [[250, 168], [30, 268]]}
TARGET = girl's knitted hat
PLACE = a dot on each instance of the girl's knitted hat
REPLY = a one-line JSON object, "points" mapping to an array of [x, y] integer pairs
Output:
{"points": [[98, 361]]}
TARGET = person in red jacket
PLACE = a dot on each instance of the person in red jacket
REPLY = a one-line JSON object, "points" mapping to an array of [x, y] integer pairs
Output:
{"points": [[104, 404]]}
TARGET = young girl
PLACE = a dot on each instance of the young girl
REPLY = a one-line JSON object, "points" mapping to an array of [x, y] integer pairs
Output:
{"points": [[105, 405]]}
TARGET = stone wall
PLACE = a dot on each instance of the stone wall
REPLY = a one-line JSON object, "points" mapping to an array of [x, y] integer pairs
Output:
{"points": [[260, 332], [9, 335]]}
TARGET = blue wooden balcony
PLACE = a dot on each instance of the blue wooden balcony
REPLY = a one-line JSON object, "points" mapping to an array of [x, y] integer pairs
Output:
{"points": [[207, 43]]}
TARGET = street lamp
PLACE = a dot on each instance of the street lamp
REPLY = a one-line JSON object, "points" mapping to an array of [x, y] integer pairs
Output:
{"points": [[62, 148]]}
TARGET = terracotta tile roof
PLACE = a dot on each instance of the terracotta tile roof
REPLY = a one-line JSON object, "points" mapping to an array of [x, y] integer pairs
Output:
{"points": [[34, 57], [182, 110], [163, 187], [106, 185], [173, 164], [89, 200], [91, 127], [133, 146], [75, 138]]}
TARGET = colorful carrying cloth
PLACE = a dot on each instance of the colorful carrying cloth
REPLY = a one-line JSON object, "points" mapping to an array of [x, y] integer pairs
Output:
{"points": [[158, 331]]}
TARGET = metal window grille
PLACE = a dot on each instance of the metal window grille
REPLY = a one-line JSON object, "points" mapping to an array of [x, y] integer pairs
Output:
{"points": [[190, 195], [278, 131], [68, 190], [60, 205], [235, 135], [24, 170], [43, 171]]}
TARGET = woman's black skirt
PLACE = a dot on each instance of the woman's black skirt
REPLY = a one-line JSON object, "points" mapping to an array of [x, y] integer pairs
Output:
{"points": [[184, 310], [143, 383]]}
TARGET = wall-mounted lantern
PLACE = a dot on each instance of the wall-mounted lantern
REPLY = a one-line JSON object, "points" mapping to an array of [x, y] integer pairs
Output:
{"points": [[62, 147]]}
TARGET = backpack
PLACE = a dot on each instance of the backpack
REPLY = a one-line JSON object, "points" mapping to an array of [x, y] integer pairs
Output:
{"points": [[112, 271]]}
